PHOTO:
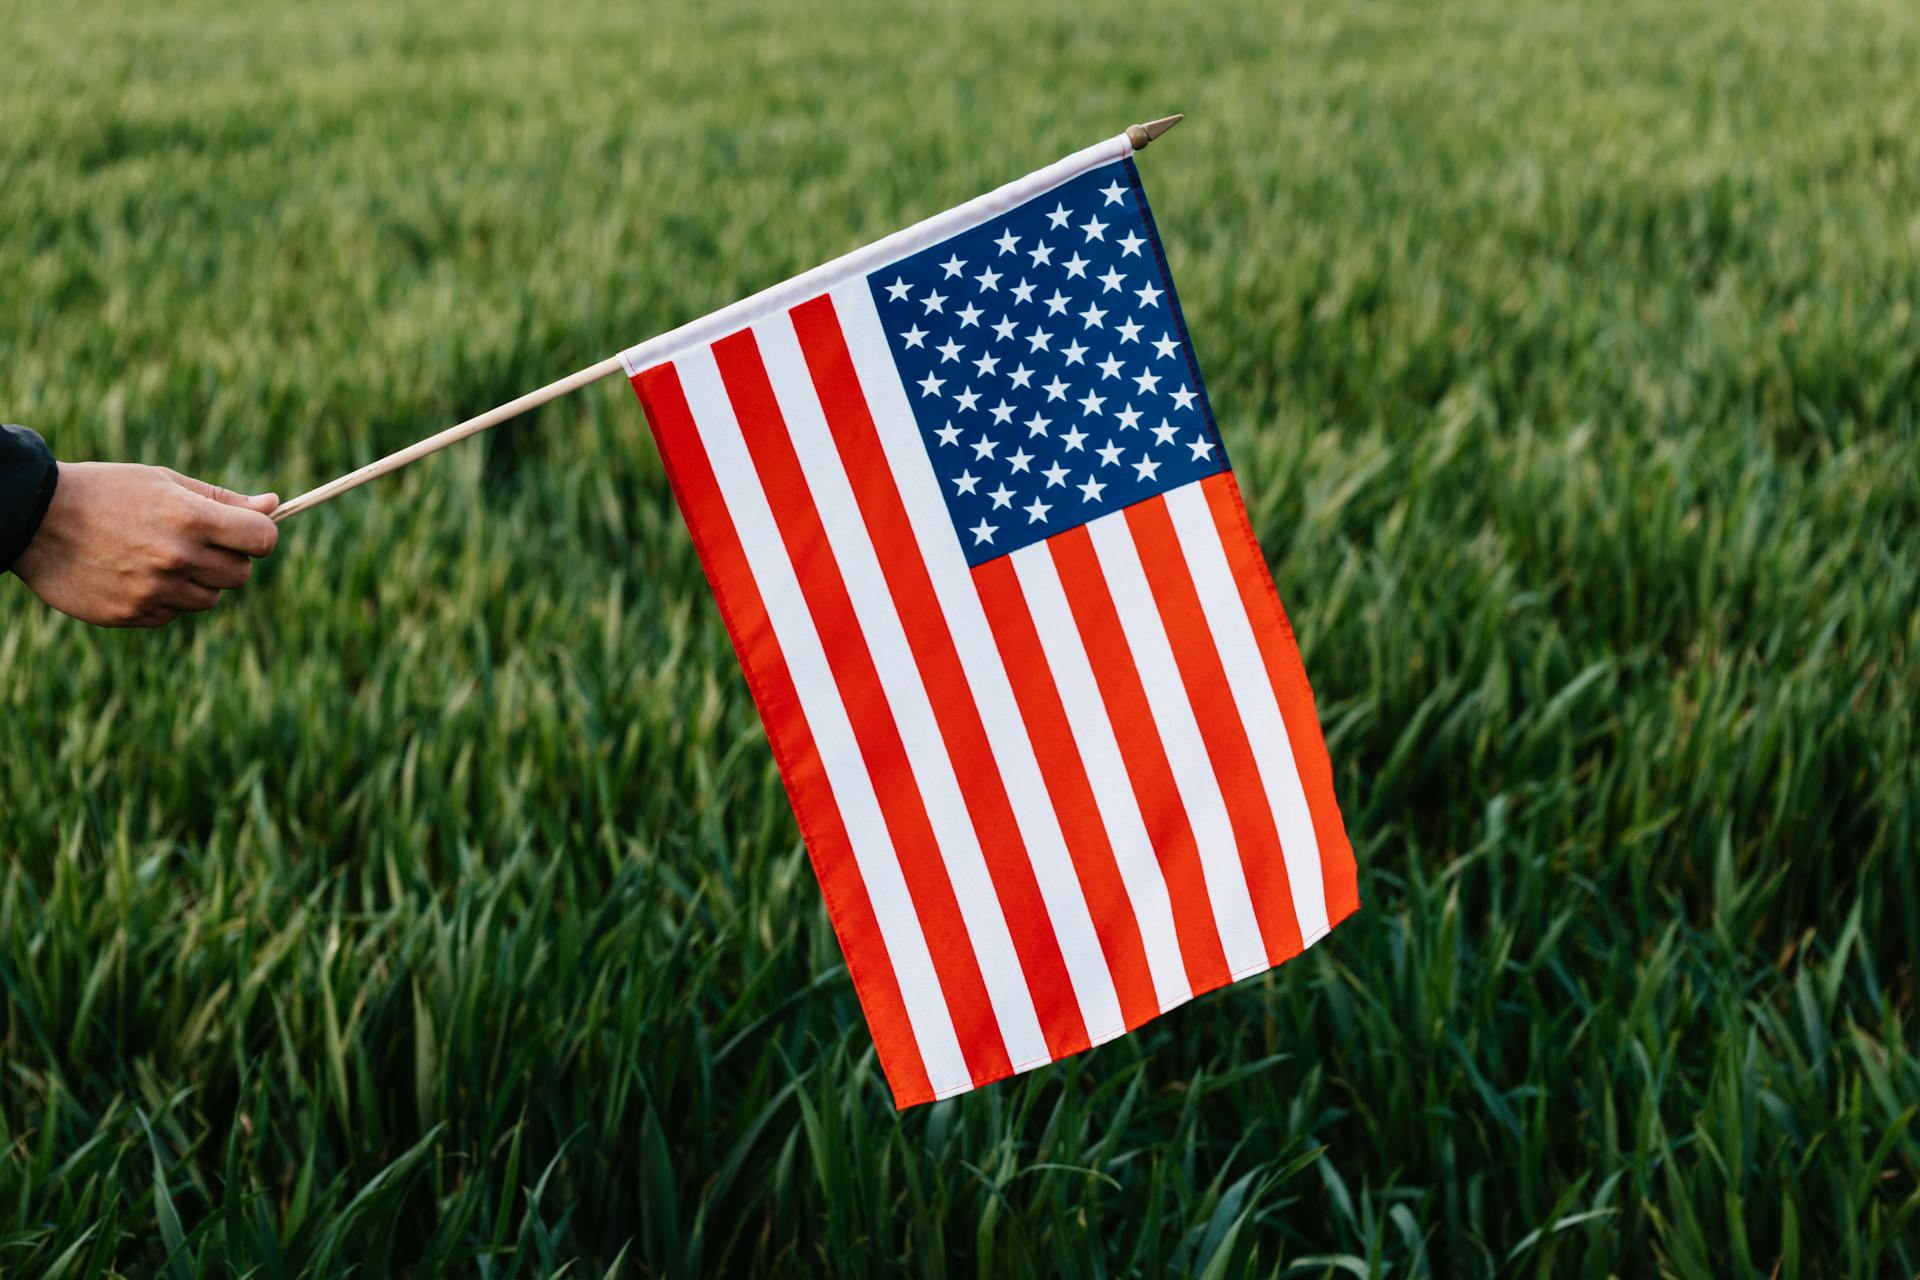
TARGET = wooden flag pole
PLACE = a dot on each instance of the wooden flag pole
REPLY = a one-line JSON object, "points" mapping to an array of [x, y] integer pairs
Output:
{"points": [[434, 443], [1140, 135]]}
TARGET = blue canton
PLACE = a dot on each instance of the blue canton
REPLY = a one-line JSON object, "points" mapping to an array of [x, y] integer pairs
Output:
{"points": [[1048, 365]]}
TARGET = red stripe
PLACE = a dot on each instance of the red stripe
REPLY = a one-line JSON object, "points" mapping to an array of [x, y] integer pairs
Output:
{"points": [[1065, 776], [764, 430], [821, 826], [1221, 728], [958, 715], [1282, 656], [1168, 826]]}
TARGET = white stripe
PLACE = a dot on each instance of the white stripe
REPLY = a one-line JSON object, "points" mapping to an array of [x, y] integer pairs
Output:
{"points": [[1106, 770], [886, 639], [1193, 774], [987, 678], [827, 720], [1256, 699], [901, 244]]}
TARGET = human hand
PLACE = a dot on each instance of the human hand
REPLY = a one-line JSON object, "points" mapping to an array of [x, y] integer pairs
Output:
{"points": [[124, 545]]}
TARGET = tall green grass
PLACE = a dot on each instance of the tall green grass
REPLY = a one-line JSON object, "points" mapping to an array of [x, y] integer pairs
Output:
{"points": [[434, 908]]}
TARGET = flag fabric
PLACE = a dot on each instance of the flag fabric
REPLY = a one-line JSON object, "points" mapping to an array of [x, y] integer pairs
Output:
{"points": [[963, 504]]}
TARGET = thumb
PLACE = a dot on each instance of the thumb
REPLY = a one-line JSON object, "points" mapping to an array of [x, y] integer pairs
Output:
{"points": [[261, 502]]}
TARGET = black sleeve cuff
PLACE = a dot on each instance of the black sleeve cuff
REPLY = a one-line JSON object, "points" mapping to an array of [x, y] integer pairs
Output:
{"points": [[27, 476]]}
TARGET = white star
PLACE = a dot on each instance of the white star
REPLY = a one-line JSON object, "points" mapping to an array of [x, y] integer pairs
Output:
{"points": [[969, 316], [968, 398], [1202, 449], [1019, 458], [948, 434], [1113, 193], [1037, 425], [1023, 292], [1129, 332], [1004, 329], [1021, 376], [965, 481], [915, 336], [897, 291], [989, 279], [1074, 439], [1148, 295], [1147, 380], [1074, 352], [930, 385], [1002, 412], [1059, 215], [983, 532], [987, 364], [1039, 338], [1056, 390], [1056, 475], [1002, 496], [953, 265], [1093, 315], [1091, 490], [1111, 281], [933, 301], [1076, 267], [984, 447], [1090, 404], [1095, 229], [1163, 434], [1037, 511], [1146, 468], [1130, 245], [1183, 399], [1057, 304], [1165, 345], [949, 350], [1129, 417], [1110, 368], [1007, 240], [1109, 454], [1042, 254]]}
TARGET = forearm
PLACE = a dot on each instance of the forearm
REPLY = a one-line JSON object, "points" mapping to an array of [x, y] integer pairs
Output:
{"points": [[28, 474]]}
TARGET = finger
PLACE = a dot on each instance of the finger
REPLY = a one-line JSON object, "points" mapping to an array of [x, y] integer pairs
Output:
{"points": [[219, 569], [154, 616], [237, 528], [261, 502], [188, 597]]}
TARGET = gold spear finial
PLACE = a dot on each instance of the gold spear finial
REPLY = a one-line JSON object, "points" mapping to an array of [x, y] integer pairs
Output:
{"points": [[1141, 134]]}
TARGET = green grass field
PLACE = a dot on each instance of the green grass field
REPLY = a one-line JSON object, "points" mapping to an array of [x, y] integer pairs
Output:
{"points": [[433, 907]]}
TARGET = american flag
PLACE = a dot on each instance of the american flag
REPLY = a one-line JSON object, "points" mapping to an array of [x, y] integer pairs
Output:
{"points": [[967, 515]]}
